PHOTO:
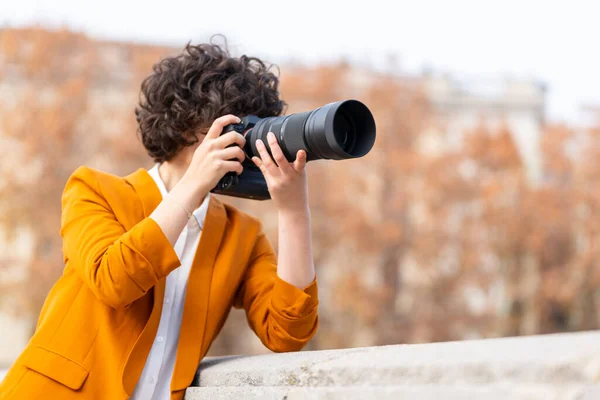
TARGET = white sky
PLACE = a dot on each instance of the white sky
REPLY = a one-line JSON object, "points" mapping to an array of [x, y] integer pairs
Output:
{"points": [[554, 41]]}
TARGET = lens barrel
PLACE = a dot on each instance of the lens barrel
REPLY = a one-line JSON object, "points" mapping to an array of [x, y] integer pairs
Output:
{"points": [[336, 131]]}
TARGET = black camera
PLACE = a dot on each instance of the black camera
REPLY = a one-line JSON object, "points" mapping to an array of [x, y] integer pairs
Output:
{"points": [[336, 131]]}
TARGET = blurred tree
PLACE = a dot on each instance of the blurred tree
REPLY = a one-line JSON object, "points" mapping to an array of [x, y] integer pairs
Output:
{"points": [[418, 241], [50, 125]]}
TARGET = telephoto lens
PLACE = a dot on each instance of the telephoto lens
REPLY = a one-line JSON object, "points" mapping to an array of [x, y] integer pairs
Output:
{"points": [[336, 131]]}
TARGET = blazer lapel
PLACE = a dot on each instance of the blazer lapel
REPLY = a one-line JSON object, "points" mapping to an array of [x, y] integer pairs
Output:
{"points": [[195, 311], [150, 197]]}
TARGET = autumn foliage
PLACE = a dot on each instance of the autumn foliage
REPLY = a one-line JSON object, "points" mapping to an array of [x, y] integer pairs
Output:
{"points": [[410, 245]]}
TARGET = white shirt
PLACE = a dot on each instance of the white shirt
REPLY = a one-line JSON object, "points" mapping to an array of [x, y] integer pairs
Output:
{"points": [[155, 380]]}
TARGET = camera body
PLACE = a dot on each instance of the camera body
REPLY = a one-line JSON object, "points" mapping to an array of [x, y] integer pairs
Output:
{"points": [[250, 184]]}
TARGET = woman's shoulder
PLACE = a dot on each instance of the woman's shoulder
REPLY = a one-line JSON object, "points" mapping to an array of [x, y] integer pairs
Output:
{"points": [[87, 181], [90, 174]]}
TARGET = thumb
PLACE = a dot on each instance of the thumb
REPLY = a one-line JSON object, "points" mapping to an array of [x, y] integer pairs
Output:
{"points": [[300, 161]]}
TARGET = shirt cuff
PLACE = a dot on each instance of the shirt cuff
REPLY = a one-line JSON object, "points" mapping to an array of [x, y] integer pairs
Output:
{"points": [[293, 302], [148, 239]]}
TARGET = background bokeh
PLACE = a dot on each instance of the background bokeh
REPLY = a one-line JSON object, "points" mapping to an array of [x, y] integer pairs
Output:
{"points": [[476, 214]]}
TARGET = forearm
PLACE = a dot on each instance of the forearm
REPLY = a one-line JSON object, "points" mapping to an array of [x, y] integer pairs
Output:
{"points": [[295, 264], [118, 266]]}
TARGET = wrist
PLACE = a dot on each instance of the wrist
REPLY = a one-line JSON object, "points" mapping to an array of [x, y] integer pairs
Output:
{"points": [[294, 214], [189, 193]]}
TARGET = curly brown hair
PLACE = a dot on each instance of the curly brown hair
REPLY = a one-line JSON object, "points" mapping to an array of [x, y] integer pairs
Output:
{"points": [[186, 93]]}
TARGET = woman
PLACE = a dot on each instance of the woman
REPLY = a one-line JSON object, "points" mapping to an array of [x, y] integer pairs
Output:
{"points": [[153, 263]]}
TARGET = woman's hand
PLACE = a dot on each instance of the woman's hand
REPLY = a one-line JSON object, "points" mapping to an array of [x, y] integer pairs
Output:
{"points": [[288, 187], [213, 158], [210, 162], [286, 181]]}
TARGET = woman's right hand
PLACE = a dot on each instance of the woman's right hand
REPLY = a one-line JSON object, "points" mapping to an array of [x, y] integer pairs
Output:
{"points": [[213, 158], [210, 162]]}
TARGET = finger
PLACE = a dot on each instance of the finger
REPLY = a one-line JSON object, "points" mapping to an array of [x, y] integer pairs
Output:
{"points": [[266, 159], [229, 139], [217, 126], [230, 153], [231, 166], [300, 161], [259, 164], [278, 155]]}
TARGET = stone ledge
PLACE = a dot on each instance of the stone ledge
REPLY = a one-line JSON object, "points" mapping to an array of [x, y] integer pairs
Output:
{"points": [[398, 392], [562, 366]]}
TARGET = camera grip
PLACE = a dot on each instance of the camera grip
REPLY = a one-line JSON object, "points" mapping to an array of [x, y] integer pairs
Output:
{"points": [[230, 179], [250, 184]]}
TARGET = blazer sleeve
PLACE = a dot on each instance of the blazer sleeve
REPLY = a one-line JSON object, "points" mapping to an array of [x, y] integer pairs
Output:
{"points": [[118, 266], [283, 316]]}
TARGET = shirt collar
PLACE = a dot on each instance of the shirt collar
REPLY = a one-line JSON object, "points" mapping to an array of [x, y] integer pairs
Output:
{"points": [[199, 213]]}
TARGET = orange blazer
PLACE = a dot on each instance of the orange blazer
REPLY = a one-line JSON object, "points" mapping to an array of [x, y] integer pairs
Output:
{"points": [[99, 320]]}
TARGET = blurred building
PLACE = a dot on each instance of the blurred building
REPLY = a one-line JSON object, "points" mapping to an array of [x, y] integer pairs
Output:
{"points": [[461, 104]]}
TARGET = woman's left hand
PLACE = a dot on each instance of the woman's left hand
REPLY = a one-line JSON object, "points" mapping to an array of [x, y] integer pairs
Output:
{"points": [[286, 181]]}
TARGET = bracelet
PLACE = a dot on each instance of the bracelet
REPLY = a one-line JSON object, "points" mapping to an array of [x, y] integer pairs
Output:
{"points": [[189, 214]]}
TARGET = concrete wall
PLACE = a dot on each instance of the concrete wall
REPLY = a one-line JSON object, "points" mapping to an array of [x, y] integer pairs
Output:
{"points": [[564, 366]]}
